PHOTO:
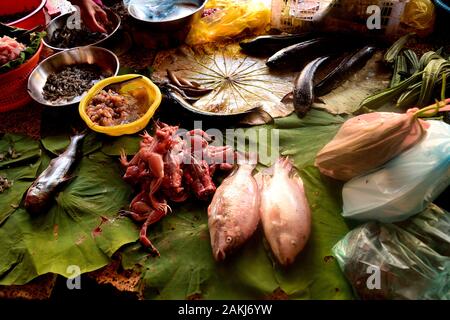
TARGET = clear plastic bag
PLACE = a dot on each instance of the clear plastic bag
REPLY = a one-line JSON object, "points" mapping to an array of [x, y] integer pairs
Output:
{"points": [[405, 185], [365, 142], [229, 18], [385, 261], [432, 227]]}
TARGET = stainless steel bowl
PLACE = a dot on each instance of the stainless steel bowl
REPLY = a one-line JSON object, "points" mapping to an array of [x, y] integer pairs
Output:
{"points": [[105, 59], [61, 21], [169, 24]]}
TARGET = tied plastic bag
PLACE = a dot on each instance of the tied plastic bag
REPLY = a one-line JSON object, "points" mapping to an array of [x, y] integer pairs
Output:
{"points": [[419, 16], [405, 185], [229, 18], [365, 142], [385, 261]]}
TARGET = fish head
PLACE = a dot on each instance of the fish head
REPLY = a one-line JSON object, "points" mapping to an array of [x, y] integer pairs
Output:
{"points": [[36, 198], [224, 240], [287, 248]]}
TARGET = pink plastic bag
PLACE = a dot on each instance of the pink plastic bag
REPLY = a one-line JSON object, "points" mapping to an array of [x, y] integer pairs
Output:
{"points": [[365, 142]]}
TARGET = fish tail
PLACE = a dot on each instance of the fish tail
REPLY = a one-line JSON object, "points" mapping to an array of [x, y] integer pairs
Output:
{"points": [[283, 164]]}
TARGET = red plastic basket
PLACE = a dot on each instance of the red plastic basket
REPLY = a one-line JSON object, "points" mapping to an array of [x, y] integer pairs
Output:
{"points": [[13, 84], [35, 9]]}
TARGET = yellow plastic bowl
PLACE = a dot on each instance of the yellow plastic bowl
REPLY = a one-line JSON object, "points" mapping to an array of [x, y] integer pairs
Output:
{"points": [[154, 95]]}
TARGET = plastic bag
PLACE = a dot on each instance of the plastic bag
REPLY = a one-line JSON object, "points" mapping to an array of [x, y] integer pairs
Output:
{"points": [[229, 18], [419, 16], [365, 142], [405, 185], [406, 266], [432, 227]]}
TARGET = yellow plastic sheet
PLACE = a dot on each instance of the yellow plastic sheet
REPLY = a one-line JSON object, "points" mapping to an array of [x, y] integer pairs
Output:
{"points": [[229, 18]]}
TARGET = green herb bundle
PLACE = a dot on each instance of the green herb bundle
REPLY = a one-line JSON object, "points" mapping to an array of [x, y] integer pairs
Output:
{"points": [[415, 82]]}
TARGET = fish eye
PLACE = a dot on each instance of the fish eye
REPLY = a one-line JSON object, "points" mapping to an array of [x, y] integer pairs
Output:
{"points": [[229, 239]]}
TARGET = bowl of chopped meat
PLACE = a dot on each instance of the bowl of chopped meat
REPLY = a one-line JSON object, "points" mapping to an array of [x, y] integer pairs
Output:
{"points": [[64, 78], [120, 105], [19, 54]]}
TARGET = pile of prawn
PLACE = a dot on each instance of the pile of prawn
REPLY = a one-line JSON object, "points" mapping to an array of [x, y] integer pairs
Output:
{"points": [[170, 166]]}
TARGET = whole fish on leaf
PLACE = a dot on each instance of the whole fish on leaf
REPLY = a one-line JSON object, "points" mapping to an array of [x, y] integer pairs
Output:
{"points": [[233, 214], [58, 171], [303, 93], [349, 64], [285, 212], [290, 56]]}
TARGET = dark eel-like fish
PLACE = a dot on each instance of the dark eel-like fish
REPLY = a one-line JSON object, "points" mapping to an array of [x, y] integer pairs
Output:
{"points": [[269, 44], [58, 171], [291, 55], [303, 93], [348, 65]]}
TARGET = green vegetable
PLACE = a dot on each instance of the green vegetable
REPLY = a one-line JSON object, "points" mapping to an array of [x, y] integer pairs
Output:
{"points": [[429, 78], [379, 99], [426, 58], [394, 50], [400, 68], [420, 88], [412, 59], [409, 98]]}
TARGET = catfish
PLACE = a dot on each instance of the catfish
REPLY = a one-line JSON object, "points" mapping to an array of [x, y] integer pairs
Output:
{"points": [[44, 188]]}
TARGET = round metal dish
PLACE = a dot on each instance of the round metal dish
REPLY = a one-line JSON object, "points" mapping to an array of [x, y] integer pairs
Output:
{"points": [[61, 20], [170, 24], [105, 59]]}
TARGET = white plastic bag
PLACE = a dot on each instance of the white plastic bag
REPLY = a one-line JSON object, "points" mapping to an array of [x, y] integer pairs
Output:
{"points": [[405, 185]]}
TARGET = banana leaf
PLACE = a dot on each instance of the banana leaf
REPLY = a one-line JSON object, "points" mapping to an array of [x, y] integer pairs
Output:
{"points": [[21, 178], [302, 139], [26, 150], [82, 227], [57, 144], [186, 268], [113, 147]]}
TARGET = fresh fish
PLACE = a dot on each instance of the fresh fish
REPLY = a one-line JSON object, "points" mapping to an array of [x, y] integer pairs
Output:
{"points": [[303, 93], [293, 55], [348, 65], [45, 186], [233, 214], [285, 212], [269, 44]]}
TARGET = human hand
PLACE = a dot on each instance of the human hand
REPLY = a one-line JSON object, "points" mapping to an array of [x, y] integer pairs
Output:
{"points": [[92, 14]]}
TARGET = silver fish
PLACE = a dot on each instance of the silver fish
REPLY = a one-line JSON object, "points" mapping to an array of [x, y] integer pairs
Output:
{"points": [[285, 212], [233, 214], [45, 186]]}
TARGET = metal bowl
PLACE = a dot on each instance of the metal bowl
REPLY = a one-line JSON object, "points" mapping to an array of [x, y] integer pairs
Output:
{"points": [[61, 21], [105, 59], [170, 23]]}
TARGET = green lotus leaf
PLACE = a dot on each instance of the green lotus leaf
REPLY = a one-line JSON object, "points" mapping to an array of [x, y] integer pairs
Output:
{"points": [[82, 228], [186, 268], [25, 148]]}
